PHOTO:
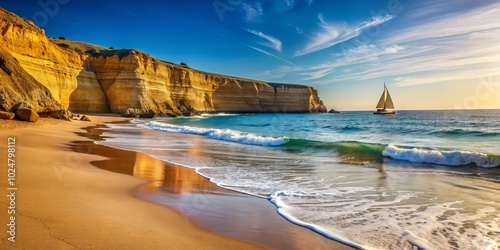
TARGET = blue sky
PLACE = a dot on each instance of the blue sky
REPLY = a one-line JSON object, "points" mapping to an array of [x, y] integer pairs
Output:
{"points": [[432, 54]]}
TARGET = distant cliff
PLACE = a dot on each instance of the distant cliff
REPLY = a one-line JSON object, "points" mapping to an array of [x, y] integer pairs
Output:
{"points": [[87, 79]]}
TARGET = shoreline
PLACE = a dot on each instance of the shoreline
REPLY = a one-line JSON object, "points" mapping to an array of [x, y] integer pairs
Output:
{"points": [[223, 211], [64, 202]]}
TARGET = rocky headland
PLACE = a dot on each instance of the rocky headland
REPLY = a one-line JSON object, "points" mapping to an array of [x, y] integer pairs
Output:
{"points": [[56, 75]]}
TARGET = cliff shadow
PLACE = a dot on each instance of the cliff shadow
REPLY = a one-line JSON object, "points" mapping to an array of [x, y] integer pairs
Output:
{"points": [[88, 95]]}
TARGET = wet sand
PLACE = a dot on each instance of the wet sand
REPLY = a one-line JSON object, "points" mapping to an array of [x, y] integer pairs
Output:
{"points": [[64, 202], [216, 209]]}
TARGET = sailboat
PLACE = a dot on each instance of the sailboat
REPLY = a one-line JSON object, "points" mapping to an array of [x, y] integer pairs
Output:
{"points": [[385, 105]]}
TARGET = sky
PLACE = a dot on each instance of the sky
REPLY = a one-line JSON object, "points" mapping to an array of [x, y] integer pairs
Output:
{"points": [[432, 54]]}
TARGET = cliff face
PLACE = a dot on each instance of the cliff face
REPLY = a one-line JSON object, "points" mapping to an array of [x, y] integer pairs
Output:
{"points": [[132, 82], [255, 97], [58, 69], [16, 85]]}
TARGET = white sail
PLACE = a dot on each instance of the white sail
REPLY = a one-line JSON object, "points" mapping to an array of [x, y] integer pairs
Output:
{"points": [[381, 102], [385, 101], [388, 103]]}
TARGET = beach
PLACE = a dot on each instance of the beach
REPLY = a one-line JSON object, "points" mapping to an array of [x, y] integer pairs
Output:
{"points": [[182, 144], [63, 201]]}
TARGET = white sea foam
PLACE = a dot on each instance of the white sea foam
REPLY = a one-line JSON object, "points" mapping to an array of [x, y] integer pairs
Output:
{"points": [[284, 210], [405, 224], [449, 158], [220, 134], [208, 115], [218, 114], [136, 121]]}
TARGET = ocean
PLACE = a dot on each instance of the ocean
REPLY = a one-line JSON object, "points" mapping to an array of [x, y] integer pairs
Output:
{"points": [[418, 179]]}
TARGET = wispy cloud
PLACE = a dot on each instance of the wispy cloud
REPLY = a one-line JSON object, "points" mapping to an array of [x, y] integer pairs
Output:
{"points": [[332, 34], [433, 78], [269, 54], [472, 21], [317, 73], [363, 54], [253, 11], [289, 2], [283, 6], [434, 9], [271, 42], [279, 73], [430, 64], [462, 47]]}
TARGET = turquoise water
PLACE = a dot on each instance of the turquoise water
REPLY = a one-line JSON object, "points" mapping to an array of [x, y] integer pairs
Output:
{"points": [[427, 179]]}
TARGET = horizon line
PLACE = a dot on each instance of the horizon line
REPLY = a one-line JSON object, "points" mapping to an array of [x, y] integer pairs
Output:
{"points": [[437, 109]]}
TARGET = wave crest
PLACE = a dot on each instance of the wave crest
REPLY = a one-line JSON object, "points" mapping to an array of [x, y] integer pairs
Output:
{"points": [[449, 158], [220, 134], [462, 132]]}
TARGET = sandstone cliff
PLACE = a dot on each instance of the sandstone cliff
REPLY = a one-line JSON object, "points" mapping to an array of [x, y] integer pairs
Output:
{"points": [[59, 69], [16, 85], [134, 83]]}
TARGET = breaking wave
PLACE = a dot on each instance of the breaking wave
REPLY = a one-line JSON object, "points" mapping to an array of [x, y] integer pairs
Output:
{"points": [[448, 158], [347, 150]]}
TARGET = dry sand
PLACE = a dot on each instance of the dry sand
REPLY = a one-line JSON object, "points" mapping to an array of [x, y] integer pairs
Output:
{"points": [[63, 202]]}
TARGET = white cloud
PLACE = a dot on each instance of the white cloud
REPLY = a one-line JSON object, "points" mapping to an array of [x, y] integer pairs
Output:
{"points": [[393, 49], [331, 34], [271, 42], [443, 62], [462, 47], [363, 54], [269, 54], [253, 11], [473, 21], [316, 74], [431, 8], [279, 73], [432, 78]]}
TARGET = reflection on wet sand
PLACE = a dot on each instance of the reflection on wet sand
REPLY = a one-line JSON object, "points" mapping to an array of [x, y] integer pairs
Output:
{"points": [[170, 177], [223, 211]]}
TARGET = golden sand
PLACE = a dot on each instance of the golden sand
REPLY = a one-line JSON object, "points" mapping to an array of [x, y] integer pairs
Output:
{"points": [[63, 202]]}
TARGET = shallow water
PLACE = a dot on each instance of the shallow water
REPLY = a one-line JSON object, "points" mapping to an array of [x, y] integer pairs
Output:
{"points": [[428, 179]]}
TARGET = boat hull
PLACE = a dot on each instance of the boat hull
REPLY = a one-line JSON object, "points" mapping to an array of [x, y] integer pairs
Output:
{"points": [[384, 112]]}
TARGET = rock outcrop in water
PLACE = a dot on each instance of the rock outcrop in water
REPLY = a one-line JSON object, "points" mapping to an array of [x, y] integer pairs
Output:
{"points": [[130, 82]]}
